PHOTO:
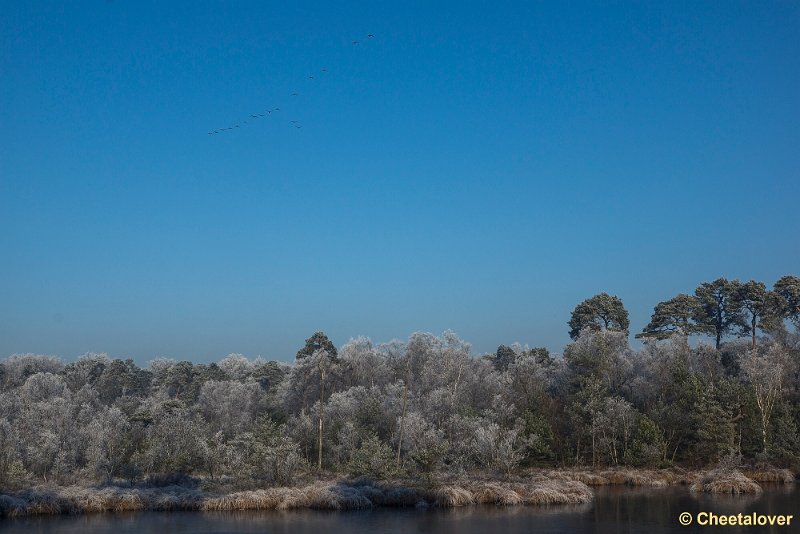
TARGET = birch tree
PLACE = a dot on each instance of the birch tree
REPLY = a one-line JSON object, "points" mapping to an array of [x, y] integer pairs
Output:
{"points": [[765, 374]]}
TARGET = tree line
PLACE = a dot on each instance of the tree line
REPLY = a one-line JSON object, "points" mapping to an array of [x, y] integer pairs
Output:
{"points": [[720, 308], [426, 405]]}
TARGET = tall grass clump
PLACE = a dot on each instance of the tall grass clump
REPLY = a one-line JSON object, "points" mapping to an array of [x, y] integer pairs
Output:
{"points": [[548, 492], [770, 474], [493, 493], [724, 480], [12, 506], [450, 496], [340, 494]]}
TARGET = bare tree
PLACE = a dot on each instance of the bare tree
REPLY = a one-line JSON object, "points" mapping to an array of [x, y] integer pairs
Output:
{"points": [[765, 374]]}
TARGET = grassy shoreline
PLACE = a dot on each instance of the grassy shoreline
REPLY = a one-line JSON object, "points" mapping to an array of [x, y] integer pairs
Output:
{"points": [[537, 487]]}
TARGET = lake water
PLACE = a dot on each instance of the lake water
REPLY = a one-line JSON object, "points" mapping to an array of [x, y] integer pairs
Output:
{"points": [[616, 509]]}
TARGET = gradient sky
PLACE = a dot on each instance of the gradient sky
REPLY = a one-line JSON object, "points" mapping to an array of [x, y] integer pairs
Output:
{"points": [[477, 167]]}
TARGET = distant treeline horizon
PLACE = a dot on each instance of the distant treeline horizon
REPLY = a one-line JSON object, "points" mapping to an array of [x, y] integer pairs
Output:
{"points": [[720, 309], [426, 405]]}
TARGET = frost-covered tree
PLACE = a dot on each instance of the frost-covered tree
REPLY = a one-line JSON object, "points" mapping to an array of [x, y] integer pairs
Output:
{"points": [[424, 445], [362, 364], [617, 420], [109, 444], [493, 446], [435, 406], [229, 406], [18, 367], [236, 366], [12, 470], [602, 355], [318, 341], [268, 454], [175, 443], [373, 458], [765, 373]]}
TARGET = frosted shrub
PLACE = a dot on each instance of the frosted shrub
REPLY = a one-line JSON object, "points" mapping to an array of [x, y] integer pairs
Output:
{"points": [[373, 459]]}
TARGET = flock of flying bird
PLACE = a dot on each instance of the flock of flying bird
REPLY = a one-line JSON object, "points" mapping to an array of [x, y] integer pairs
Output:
{"points": [[267, 112]]}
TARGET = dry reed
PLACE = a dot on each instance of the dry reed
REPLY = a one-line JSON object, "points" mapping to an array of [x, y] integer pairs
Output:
{"points": [[725, 481], [321, 495], [770, 474]]}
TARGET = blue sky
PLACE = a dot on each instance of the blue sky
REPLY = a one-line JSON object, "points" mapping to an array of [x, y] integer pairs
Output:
{"points": [[481, 167]]}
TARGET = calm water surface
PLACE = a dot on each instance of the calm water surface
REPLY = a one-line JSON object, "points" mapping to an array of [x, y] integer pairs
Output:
{"points": [[613, 510]]}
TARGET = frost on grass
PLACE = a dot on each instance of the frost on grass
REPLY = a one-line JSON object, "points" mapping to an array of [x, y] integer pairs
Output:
{"points": [[321, 495], [725, 480]]}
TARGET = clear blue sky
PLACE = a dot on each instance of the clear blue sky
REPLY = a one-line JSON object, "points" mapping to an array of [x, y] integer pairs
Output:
{"points": [[478, 167]]}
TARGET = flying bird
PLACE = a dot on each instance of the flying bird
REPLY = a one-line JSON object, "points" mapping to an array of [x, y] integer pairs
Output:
{"points": [[266, 112]]}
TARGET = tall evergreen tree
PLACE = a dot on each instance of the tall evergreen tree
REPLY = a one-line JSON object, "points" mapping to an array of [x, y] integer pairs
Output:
{"points": [[321, 348], [756, 306], [600, 312], [718, 313], [671, 316], [318, 341], [716, 432], [788, 291], [504, 357]]}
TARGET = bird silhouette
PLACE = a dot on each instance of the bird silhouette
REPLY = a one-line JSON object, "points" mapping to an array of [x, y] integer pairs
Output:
{"points": [[266, 112]]}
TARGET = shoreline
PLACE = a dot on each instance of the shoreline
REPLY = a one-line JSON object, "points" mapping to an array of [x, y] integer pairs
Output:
{"points": [[536, 487]]}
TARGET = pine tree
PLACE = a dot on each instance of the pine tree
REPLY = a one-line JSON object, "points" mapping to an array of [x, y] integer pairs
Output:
{"points": [[672, 316], [718, 314], [600, 312]]}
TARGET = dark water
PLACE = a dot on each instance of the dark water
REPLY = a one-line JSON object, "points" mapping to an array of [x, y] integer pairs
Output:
{"points": [[613, 510]]}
